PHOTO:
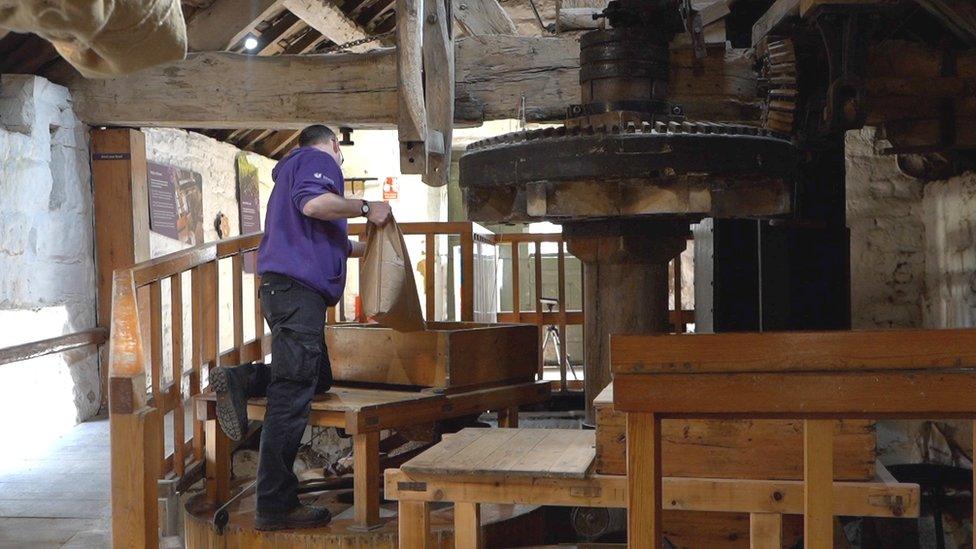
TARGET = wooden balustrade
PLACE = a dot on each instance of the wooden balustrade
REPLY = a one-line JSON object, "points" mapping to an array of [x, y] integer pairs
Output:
{"points": [[140, 397], [142, 394]]}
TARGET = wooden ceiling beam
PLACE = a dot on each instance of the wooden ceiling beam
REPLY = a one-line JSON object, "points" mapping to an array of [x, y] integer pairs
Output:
{"points": [[493, 73], [285, 26], [276, 143], [227, 22], [325, 17], [477, 17]]}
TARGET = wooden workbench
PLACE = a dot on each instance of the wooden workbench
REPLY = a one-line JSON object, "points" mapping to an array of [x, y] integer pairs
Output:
{"points": [[363, 413], [815, 377], [554, 467]]}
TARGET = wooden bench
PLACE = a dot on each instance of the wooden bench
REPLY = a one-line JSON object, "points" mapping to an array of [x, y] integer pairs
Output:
{"points": [[363, 413], [554, 467], [815, 377]]}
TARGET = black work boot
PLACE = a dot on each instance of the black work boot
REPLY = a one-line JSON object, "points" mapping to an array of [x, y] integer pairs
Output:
{"points": [[303, 516], [231, 402]]}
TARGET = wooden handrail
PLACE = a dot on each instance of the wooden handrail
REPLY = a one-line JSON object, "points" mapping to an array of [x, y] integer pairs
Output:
{"points": [[59, 344]]}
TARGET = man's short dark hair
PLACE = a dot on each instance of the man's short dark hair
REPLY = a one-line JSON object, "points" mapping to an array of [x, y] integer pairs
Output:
{"points": [[316, 134]]}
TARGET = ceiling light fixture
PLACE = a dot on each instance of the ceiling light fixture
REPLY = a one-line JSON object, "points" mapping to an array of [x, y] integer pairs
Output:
{"points": [[250, 43]]}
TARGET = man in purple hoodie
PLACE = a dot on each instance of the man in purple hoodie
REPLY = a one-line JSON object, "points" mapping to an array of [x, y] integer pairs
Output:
{"points": [[302, 264]]}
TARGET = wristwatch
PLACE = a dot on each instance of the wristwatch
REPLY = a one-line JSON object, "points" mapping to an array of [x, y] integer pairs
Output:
{"points": [[364, 208]]}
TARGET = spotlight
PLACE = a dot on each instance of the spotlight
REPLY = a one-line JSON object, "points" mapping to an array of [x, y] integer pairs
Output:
{"points": [[250, 43]]}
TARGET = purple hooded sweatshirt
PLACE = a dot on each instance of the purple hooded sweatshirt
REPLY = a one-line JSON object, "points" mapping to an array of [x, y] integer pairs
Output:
{"points": [[311, 251]]}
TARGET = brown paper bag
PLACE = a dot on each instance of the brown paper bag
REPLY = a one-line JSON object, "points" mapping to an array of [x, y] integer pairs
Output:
{"points": [[386, 281]]}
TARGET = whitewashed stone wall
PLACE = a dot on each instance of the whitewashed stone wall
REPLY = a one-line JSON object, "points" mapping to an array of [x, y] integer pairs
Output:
{"points": [[885, 215], [215, 161], [47, 268], [950, 261], [913, 258]]}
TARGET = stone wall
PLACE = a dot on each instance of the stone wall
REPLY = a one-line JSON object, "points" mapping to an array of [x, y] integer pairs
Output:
{"points": [[950, 260], [215, 161], [913, 259], [47, 268], [885, 215]]}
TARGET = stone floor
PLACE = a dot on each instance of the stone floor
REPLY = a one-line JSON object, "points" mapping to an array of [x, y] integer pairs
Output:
{"points": [[57, 495]]}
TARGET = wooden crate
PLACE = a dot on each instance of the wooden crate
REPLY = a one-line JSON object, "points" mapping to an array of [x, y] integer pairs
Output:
{"points": [[449, 355], [736, 448]]}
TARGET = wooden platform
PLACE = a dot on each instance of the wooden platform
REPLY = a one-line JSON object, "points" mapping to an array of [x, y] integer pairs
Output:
{"points": [[545, 453], [363, 413], [734, 448], [471, 469]]}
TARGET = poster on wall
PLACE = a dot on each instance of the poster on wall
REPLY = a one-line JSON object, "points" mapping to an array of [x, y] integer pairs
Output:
{"points": [[176, 203], [249, 204]]}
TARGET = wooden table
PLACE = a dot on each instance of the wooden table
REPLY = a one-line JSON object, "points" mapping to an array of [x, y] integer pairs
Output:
{"points": [[817, 377], [554, 467], [363, 413]]}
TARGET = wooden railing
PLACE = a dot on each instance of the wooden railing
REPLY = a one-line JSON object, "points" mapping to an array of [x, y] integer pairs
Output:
{"points": [[148, 382], [60, 344], [141, 392], [139, 397], [470, 235], [563, 316]]}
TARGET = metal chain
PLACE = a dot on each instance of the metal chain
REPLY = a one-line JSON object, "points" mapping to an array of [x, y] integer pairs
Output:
{"points": [[359, 42]]}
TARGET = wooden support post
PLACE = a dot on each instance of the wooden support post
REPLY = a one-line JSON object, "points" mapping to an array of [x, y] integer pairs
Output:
{"points": [[136, 448], [411, 113], [413, 519], [643, 481], [121, 206], [217, 464], [366, 478], [439, 89], [508, 418], [765, 531], [467, 525], [818, 478]]}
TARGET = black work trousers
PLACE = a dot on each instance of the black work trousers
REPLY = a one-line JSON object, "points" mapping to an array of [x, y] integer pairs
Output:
{"points": [[299, 369]]}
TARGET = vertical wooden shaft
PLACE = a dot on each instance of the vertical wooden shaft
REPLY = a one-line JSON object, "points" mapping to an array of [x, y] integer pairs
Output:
{"points": [[818, 483], [366, 478], [625, 291], [508, 418], [217, 464], [136, 448], [467, 525], [644, 483], [413, 521], [765, 531]]}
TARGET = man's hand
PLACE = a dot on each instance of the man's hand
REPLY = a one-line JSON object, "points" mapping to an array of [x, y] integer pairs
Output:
{"points": [[379, 213]]}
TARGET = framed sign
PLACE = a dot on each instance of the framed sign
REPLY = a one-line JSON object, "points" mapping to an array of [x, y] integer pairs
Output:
{"points": [[175, 203], [249, 204]]}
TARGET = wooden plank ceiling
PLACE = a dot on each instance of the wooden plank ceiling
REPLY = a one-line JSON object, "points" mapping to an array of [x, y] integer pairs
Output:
{"points": [[275, 28]]}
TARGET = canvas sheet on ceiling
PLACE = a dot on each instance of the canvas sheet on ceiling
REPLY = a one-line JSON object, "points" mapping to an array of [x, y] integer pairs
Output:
{"points": [[103, 38]]}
